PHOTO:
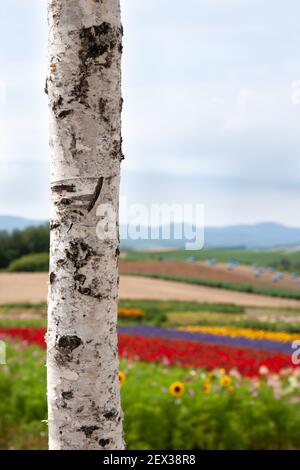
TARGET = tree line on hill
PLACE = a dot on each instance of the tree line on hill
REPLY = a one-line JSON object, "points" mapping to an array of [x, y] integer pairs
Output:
{"points": [[27, 250], [19, 243]]}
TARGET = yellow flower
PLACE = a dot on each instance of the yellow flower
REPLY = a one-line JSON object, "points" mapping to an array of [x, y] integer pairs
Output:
{"points": [[225, 380], [122, 377], [130, 312], [243, 332], [230, 389], [207, 387], [222, 371], [177, 389]]}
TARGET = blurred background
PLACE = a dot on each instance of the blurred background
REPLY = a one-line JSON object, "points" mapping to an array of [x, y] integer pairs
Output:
{"points": [[208, 337]]}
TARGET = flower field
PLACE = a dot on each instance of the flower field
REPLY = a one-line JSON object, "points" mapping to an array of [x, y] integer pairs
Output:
{"points": [[197, 347], [126, 312], [191, 353], [183, 387], [245, 333]]}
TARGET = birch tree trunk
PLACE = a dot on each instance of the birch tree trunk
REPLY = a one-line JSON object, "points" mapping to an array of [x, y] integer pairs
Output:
{"points": [[84, 89]]}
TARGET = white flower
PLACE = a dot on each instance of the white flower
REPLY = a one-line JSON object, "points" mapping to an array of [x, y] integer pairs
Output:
{"points": [[263, 370]]}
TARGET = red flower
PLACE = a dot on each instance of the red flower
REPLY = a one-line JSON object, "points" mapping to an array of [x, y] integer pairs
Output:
{"points": [[30, 335], [178, 352], [196, 354]]}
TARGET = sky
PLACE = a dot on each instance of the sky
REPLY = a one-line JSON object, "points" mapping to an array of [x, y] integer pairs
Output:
{"points": [[211, 114]]}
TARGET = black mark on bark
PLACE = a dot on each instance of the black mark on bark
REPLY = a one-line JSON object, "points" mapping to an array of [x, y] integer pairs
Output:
{"points": [[110, 415], [75, 255], [103, 109], [80, 278], [89, 292], [79, 254], [96, 41], [63, 202], [104, 442], [88, 430], [73, 148], [67, 395], [65, 113], [96, 194], [66, 344], [59, 188], [54, 225], [57, 104]]}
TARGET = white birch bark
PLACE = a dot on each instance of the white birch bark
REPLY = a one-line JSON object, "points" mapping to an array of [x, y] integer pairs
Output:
{"points": [[84, 89]]}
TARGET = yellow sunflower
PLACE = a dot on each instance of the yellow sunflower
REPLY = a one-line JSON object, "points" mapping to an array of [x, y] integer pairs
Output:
{"points": [[122, 377], [225, 380], [177, 389]]}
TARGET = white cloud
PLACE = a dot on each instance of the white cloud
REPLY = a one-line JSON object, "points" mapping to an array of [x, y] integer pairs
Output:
{"points": [[207, 91]]}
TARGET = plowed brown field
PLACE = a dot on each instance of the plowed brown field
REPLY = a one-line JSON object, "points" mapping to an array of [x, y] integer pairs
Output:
{"points": [[242, 274], [32, 287]]}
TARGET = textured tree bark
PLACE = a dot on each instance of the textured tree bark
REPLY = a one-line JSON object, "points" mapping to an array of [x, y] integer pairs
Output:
{"points": [[84, 89]]}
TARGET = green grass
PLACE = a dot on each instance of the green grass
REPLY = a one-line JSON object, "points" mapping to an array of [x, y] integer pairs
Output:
{"points": [[36, 262], [240, 321], [218, 420], [39, 308], [173, 313], [23, 398], [23, 322], [154, 419], [228, 285], [155, 311], [279, 259]]}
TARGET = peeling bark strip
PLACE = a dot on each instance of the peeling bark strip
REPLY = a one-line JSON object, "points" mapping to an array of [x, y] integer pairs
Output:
{"points": [[96, 194], [84, 92]]}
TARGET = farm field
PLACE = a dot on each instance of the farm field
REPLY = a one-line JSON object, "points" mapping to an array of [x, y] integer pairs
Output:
{"points": [[200, 269], [261, 280], [32, 287], [220, 357], [137, 287], [232, 386], [279, 259]]}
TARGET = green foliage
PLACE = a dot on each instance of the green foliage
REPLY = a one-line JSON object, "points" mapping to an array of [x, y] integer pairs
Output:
{"points": [[237, 422], [22, 322], [155, 311], [7, 308], [287, 327], [156, 420], [218, 319], [23, 399], [153, 418], [18, 243], [37, 262], [167, 314]]}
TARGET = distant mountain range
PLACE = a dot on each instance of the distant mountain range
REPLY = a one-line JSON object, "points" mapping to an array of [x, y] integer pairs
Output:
{"points": [[262, 235]]}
